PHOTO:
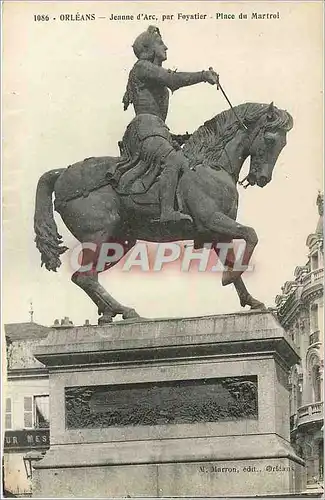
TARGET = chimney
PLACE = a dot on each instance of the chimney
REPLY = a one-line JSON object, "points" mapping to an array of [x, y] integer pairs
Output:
{"points": [[66, 322], [87, 323]]}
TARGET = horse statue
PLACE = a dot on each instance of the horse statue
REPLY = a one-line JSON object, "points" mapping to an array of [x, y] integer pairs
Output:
{"points": [[94, 211]]}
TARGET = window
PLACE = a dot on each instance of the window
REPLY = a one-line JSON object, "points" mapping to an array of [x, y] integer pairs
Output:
{"points": [[41, 412], [294, 399], [8, 414], [299, 394], [28, 412], [314, 261], [316, 380], [314, 318]]}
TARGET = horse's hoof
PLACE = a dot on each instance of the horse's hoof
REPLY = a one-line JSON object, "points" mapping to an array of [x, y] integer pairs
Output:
{"points": [[254, 304], [257, 305], [105, 319], [130, 314]]}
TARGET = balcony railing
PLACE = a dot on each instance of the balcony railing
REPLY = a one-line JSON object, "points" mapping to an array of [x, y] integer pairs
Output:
{"points": [[309, 413], [313, 276], [314, 337], [318, 274]]}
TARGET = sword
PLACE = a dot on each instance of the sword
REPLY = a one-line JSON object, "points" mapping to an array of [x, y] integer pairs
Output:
{"points": [[241, 123], [219, 86]]}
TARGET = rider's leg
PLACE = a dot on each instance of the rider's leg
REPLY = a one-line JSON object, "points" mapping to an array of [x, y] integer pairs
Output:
{"points": [[174, 164]]}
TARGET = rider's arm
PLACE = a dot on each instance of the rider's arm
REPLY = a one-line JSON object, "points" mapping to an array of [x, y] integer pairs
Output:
{"points": [[149, 72]]}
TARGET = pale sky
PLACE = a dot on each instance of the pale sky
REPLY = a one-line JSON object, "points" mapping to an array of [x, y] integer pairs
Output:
{"points": [[62, 91]]}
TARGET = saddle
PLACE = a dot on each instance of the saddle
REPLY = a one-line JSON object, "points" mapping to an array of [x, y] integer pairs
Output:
{"points": [[92, 173]]}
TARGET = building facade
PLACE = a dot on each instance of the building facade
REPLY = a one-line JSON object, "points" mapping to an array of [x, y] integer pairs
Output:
{"points": [[26, 405], [300, 310]]}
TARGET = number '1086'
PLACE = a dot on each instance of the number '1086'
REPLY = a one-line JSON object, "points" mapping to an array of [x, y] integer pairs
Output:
{"points": [[41, 17]]}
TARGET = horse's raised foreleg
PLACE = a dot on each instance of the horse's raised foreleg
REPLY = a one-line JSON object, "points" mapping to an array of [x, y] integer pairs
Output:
{"points": [[107, 306], [227, 229]]}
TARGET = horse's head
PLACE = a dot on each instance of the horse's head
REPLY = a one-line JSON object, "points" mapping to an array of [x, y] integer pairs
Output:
{"points": [[267, 139]]}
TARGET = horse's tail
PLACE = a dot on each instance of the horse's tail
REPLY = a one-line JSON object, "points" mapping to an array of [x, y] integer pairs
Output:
{"points": [[48, 241]]}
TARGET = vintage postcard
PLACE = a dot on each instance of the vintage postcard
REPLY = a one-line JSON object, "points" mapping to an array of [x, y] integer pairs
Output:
{"points": [[162, 168]]}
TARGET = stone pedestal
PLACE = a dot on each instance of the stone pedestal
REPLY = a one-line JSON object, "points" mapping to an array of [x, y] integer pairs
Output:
{"points": [[194, 407]]}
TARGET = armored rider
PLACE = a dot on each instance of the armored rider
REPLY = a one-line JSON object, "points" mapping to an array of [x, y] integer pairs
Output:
{"points": [[147, 137]]}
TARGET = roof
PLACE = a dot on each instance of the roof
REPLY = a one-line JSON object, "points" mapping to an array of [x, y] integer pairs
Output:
{"points": [[25, 331]]}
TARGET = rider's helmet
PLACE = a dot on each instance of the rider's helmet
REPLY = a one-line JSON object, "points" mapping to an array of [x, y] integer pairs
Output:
{"points": [[143, 45]]}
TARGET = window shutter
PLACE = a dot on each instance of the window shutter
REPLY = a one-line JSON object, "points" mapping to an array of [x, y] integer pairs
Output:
{"points": [[28, 412], [8, 414]]}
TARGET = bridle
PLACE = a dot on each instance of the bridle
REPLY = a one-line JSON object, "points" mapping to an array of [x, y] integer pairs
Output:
{"points": [[257, 130], [252, 135]]}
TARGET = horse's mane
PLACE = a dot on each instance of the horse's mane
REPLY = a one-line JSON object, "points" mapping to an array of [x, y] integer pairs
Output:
{"points": [[207, 142]]}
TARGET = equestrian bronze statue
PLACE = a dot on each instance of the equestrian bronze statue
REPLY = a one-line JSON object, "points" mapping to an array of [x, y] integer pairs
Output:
{"points": [[161, 188]]}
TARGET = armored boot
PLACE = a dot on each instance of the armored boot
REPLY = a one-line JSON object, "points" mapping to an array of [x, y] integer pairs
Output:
{"points": [[168, 186]]}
